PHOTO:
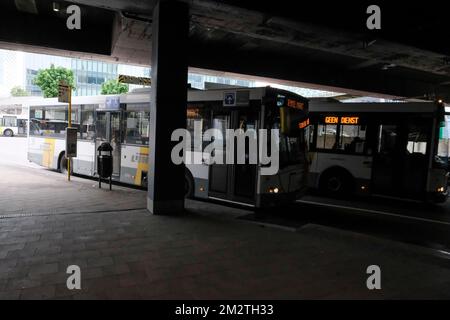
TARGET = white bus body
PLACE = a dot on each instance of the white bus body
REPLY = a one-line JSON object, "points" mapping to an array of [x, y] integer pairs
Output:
{"points": [[14, 115], [124, 122], [388, 149]]}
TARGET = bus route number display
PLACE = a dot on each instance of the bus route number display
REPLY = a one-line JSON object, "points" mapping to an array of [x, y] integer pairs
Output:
{"points": [[341, 120]]}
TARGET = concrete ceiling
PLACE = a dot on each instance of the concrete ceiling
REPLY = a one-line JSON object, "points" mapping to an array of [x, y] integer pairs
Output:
{"points": [[322, 44]]}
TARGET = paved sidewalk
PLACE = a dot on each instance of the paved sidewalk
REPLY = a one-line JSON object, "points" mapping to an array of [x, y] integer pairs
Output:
{"points": [[25, 190], [207, 253]]}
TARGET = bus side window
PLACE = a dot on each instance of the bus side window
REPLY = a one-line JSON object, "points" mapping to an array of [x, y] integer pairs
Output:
{"points": [[417, 138], [352, 138], [136, 124], [9, 121], [37, 116], [326, 137], [387, 139], [87, 128]]}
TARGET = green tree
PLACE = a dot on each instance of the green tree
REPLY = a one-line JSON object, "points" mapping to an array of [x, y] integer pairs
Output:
{"points": [[48, 80], [114, 87], [18, 91]]}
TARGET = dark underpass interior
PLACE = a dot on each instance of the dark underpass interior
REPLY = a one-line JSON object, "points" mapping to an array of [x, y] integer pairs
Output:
{"points": [[355, 98]]}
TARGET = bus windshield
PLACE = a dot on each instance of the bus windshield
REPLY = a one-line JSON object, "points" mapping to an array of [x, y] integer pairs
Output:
{"points": [[290, 116], [444, 138], [292, 148]]}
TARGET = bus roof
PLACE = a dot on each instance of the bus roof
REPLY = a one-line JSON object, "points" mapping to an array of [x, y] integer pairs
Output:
{"points": [[11, 101], [76, 100], [41, 101], [143, 96], [215, 94], [396, 107]]}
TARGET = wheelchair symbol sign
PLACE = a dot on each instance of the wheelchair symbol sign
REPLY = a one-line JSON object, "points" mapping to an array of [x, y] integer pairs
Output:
{"points": [[229, 99]]}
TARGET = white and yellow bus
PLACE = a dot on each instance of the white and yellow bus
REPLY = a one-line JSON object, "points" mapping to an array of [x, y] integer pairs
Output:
{"points": [[389, 149], [14, 116], [123, 121], [8, 125]]}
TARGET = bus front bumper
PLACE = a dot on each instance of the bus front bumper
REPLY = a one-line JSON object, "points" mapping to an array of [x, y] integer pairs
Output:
{"points": [[438, 197]]}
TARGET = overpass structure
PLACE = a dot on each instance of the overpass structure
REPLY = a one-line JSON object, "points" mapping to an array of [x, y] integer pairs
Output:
{"points": [[323, 45]]}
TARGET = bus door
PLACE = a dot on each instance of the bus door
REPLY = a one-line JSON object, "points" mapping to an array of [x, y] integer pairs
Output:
{"points": [[108, 130], [386, 176], [234, 182], [22, 126], [218, 172], [243, 178], [400, 165], [416, 155]]}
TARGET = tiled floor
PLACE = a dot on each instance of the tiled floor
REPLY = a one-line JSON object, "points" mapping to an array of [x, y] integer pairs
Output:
{"points": [[124, 252]]}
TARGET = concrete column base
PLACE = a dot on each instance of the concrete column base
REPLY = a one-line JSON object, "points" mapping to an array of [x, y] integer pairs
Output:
{"points": [[165, 207]]}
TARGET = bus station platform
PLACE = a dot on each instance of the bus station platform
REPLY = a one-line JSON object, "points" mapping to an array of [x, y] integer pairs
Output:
{"points": [[209, 252]]}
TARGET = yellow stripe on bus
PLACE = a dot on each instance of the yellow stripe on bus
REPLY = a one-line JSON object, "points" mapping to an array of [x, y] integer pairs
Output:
{"points": [[48, 153], [142, 165]]}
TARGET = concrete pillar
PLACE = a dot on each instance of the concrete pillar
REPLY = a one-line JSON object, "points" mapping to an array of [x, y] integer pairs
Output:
{"points": [[170, 28]]}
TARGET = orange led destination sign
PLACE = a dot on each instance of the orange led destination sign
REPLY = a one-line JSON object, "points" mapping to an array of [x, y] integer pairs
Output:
{"points": [[341, 120], [193, 112], [303, 124], [295, 104]]}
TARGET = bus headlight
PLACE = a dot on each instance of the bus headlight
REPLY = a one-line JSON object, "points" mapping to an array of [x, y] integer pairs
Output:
{"points": [[274, 190], [440, 189]]}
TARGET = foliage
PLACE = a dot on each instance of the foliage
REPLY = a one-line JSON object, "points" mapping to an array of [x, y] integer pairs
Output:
{"points": [[114, 87], [48, 80], [18, 91]]}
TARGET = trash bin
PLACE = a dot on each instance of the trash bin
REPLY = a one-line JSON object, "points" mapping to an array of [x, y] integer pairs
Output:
{"points": [[104, 163]]}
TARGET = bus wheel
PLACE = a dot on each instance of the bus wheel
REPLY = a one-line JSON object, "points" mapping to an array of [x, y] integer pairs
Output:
{"points": [[336, 183], [188, 186], [63, 164], [8, 133]]}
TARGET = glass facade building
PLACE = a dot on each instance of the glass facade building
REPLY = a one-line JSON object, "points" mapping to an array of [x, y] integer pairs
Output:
{"points": [[90, 75], [20, 69], [30, 87]]}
